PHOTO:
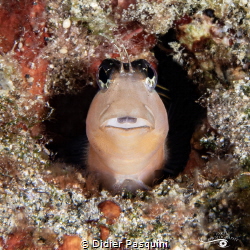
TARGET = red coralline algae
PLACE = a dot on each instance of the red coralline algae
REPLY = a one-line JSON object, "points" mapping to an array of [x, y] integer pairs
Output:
{"points": [[110, 210], [194, 162], [124, 4], [119, 5], [26, 238], [23, 30], [182, 21], [104, 232], [19, 240], [135, 37], [1, 242], [71, 242]]}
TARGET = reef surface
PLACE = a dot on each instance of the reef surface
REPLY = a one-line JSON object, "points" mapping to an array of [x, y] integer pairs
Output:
{"points": [[50, 51]]}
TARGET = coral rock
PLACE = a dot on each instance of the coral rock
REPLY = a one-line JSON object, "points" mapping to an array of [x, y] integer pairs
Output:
{"points": [[18, 240], [110, 210], [71, 242], [1, 242], [104, 232], [28, 16]]}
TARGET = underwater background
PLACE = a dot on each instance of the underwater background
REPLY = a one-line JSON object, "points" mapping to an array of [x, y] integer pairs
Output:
{"points": [[50, 52]]}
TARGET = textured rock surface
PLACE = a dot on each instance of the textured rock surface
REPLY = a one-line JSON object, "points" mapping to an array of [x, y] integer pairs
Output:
{"points": [[41, 202]]}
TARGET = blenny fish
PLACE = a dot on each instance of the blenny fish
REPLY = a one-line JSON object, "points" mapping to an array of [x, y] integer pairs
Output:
{"points": [[127, 126], [133, 142]]}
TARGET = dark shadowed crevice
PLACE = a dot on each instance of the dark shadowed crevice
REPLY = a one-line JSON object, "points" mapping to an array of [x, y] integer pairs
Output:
{"points": [[66, 127], [183, 111]]}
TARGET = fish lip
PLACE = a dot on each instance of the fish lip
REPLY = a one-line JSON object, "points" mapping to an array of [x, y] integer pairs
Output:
{"points": [[127, 129], [141, 123]]}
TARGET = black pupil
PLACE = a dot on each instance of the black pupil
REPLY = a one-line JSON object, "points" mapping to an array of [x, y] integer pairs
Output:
{"points": [[103, 76], [144, 67], [151, 73], [106, 69]]}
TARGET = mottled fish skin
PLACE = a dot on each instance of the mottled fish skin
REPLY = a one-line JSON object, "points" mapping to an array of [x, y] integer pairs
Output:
{"points": [[126, 126]]}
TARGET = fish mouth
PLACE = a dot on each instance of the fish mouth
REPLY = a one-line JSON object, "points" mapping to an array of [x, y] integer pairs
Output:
{"points": [[127, 123]]}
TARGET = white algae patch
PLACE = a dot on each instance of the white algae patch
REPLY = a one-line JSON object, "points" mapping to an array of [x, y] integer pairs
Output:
{"points": [[228, 112], [6, 72]]}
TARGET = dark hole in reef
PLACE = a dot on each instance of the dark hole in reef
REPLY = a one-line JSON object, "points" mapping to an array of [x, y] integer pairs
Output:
{"points": [[67, 127], [183, 112]]}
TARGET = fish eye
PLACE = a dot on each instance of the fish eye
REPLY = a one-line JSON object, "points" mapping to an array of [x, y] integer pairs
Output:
{"points": [[105, 72], [148, 71]]}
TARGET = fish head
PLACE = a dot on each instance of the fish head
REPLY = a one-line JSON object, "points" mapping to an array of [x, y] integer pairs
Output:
{"points": [[127, 121]]}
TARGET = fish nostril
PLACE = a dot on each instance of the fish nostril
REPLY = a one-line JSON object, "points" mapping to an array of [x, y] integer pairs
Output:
{"points": [[126, 119]]}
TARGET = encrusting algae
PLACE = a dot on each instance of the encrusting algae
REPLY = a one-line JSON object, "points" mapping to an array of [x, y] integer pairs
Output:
{"points": [[47, 205]]}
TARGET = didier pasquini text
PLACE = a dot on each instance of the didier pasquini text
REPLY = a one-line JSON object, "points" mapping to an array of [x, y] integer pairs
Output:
{"points": [[126, 243]]}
